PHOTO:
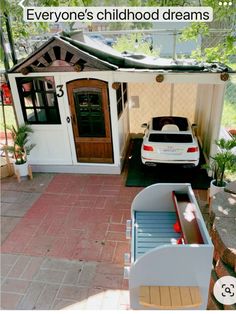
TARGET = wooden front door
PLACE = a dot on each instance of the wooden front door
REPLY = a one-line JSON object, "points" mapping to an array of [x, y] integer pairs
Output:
{"points": [[90, 116]]}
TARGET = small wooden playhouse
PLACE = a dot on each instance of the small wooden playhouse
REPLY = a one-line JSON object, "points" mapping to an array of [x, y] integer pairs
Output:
{"points": [[84, 100]]}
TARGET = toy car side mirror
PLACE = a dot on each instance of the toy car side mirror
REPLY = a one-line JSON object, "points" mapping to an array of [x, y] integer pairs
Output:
{"points": [[144, 125]]}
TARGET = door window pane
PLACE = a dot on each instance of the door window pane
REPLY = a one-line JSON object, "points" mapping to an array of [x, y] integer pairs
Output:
{"points": [[89, 112]]}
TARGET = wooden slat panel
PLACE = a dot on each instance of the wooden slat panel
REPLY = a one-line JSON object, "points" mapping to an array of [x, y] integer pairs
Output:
{"points": [[169, 297], [155, 295], [185, 296], [165, 297], [144, 294], [195, 295], [175, 297]]}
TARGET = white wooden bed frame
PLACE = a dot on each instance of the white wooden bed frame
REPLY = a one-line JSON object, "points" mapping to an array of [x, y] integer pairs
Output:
{"points": [[169, 276]]}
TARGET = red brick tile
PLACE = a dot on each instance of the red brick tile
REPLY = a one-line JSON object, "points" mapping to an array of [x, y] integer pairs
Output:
{"points": [[14, 246], [56, 247], [97, 231], [117, 228], [110, 268], [92, 189], [116, 217], [74, 208], [93, 216], [43, 227], [116, 236], [100, 202], [108, 250], [69, 248], [121, 249], [96, 179], [126, 216], [57, 228], [87, 254], [113, 180], [107, 191], [56, 188], [39, 246]]}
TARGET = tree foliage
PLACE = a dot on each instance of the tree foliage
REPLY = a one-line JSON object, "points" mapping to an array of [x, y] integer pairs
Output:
{"points": [[134, 43], [223, 15]]}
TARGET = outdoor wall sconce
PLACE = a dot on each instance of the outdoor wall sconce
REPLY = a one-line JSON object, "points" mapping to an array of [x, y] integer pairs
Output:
{"points": [[115, 85], [224, 76], [160, 78]]}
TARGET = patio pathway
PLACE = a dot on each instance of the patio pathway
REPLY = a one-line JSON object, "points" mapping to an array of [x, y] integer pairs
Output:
{"points": [[77, 217], [67, 250]]}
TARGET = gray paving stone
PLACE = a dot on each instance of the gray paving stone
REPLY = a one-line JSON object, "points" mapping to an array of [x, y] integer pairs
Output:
{"points": [[9, 259], [33, 293], [5, 269], [18, 197], [60, 264], [16, 210], [60, 304], [50, 276], [32, 268], [72, 276], [15, 285], [87, 274], [9, 301], [19, 267], [2, 279], [7, 225], [38, 184], [73, 292], [46, 299]]}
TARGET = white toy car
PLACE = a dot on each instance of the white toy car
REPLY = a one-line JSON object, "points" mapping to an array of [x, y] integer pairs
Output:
{"points": [[171, 140]]}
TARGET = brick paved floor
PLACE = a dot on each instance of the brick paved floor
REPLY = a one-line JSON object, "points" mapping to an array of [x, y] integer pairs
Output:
{"points": [[44, 283], [77, 217], [66, 248]]}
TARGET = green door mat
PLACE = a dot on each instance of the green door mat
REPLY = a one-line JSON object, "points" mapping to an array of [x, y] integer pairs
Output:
{"points": [[140, 175]]}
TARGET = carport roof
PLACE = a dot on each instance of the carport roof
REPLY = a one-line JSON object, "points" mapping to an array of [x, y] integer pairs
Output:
{"points": [[90, 55]]}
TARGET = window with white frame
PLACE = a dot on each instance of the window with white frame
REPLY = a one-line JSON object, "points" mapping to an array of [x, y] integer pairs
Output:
{"points": [[39, 100]]}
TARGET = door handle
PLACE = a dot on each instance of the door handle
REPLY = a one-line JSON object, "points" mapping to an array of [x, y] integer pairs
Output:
{"points": [[68, 119]]}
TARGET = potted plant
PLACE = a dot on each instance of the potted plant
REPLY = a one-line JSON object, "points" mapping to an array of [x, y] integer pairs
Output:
{"points": [[223, 160], [20, 149]]}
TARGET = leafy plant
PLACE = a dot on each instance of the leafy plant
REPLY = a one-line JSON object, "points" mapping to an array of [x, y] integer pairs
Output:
{"points": [[20, 137], [223, 160]]}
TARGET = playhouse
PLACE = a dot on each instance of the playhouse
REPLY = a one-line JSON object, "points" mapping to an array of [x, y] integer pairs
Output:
{"points": [[85, 100]]}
